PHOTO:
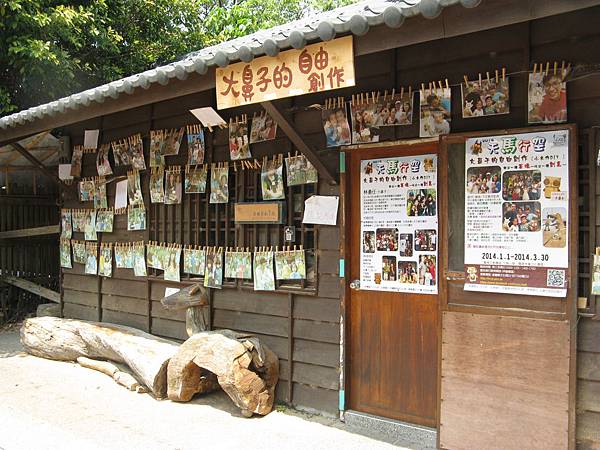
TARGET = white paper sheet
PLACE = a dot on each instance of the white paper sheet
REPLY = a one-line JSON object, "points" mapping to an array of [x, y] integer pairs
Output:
{"points": [[170, 291], [321, 210], [208, 116], [90, 139], [121, 195], [64, 172]]}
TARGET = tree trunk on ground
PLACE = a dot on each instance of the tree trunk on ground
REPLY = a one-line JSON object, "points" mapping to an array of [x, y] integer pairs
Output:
{"points": [[67, 340], [246, 369]]}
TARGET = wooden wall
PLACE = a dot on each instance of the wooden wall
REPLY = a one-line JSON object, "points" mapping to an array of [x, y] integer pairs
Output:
{"points": [[303, 329]]}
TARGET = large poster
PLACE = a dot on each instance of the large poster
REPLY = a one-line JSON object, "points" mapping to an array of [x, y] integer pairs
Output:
{"points": [[516, 212], [399, 224]]}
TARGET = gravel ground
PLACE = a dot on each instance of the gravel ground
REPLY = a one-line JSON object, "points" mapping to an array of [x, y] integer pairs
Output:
{"points": [[57, 405]]}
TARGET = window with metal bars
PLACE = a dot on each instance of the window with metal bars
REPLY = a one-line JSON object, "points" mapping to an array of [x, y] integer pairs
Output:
{"points": [[196, 221]]}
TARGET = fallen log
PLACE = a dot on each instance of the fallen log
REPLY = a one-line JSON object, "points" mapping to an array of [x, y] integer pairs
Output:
{"points": [[246, 369], [112, 370], [66, 340]]}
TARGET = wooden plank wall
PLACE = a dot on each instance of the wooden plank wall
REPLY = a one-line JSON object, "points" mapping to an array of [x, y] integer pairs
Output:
{"points": [[302, 328], [588, 384]]}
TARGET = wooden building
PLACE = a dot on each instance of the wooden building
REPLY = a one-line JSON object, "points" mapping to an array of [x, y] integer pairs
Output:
{"points": [[482, 370]]}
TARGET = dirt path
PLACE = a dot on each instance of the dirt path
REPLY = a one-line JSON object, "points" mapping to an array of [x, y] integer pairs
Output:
{"points": [[56, 405]]}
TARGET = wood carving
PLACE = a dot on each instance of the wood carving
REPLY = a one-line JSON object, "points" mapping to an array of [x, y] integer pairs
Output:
{"points": [[194, 299], [68, 340], [246, 370]]}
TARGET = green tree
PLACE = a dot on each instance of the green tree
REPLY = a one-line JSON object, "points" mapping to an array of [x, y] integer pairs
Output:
{"points": [[53, 48]]}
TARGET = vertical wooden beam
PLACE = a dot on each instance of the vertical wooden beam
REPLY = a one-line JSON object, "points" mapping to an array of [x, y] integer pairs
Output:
{"points": [[293, 134], [344, 260], [290, 391]]}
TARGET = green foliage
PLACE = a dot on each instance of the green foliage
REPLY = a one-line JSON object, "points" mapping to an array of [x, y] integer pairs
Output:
{"points": [[53, 48]]}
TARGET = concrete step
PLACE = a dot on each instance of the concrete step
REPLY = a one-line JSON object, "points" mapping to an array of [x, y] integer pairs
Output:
{"points": [[392, 431]]}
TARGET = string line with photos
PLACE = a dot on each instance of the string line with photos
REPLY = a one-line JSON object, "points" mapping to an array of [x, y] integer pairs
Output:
{"points": [[263, 265]]}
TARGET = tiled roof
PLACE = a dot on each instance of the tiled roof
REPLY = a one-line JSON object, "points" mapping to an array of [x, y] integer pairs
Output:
{"points": [[355, 19]]}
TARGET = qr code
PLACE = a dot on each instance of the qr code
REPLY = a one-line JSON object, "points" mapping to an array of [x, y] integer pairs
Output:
{"points": [[555, 278]]}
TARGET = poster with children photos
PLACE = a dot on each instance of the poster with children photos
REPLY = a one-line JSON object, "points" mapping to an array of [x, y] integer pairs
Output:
{"points": [[399, 224], [66, 226], [263, 128], [264, 278], [65, 254], [196, 145], [485, 97], [102, 162], [271, 179], [194, 261], [516, 213], [547, 96], [105, 261], [195, 179], [435, 112], [290, 265], [239, 146], [213, 275], [219, 185], [238, 264], [156, 184], [172, 271]]}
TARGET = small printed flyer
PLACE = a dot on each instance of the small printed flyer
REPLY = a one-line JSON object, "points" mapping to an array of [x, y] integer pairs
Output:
{"points": [[399, 224], [516, 210]]}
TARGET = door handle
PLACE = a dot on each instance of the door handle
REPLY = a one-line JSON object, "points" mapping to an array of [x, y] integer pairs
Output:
{"points": [[355, 285]]}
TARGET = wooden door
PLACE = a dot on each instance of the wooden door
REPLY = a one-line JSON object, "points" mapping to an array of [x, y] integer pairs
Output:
{"points": [[393, 336]]}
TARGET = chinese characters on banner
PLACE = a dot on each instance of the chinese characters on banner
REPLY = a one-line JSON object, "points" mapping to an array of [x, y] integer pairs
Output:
{"points": [[399, 224], [516, 211], [319, 67]]}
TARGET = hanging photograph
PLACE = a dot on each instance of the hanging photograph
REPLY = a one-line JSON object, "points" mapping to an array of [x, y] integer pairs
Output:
{"points": [[264, 278], [271, 179], [262, 128], [124, 256], [121, 153], [195, 179], [78, 251], [547, 96], [157, 189], [89, 228], [435, 108], [290, 265], [91, 259], [65, 254], [335, 123], [76, 161], [173, 141], [78, 217], [172, 264], [86, 190], [213, 276], [136, 152], [396, 109], [157, 142], [300, 171], [219, 184], [66, 226], [134, 189], [102, 162], [105, 261], [238, 264], [173, 186], [104, 220], [239, 147], [136, 218], [485, 97], [364, 121], [139, 261], [100, 198], [194, 261], [153, 257], [196, 146]]}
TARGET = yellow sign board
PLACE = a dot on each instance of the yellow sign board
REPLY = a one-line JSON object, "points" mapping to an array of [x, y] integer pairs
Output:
{"points": [[257, 212], [320, 67]]}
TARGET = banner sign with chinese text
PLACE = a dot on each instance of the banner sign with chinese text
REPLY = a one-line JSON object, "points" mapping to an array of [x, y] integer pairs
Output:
{"points": [[316, 68], [516, 213], [399, 224]]}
